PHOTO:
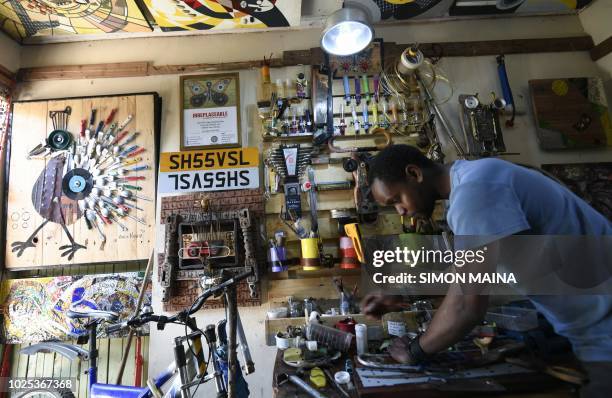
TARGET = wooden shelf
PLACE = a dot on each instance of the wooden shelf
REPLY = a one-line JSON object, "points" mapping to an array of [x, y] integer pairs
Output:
{"points": [[296, 272], [299, 138]]}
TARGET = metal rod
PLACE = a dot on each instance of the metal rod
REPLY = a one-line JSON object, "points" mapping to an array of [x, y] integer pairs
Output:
{"points": [[449, 131], [141, 295], [232, 360]]}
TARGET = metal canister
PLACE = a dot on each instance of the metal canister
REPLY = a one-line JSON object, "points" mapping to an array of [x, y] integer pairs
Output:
{"points": [[311, 257]]}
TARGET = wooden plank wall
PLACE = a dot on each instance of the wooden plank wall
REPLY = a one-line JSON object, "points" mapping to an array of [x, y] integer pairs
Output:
{"points": [[110, 350], [31, 125]]}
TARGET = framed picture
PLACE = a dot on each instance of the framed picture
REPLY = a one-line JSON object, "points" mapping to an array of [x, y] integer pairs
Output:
{"points": [[210, 111], [48, 226]]}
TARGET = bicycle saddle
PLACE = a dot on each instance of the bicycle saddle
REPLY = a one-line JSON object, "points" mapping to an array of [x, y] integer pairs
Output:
{"points": [[92, 314]]}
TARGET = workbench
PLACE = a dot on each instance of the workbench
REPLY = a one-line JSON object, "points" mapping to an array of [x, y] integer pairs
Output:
{"points": [[532, 385]]}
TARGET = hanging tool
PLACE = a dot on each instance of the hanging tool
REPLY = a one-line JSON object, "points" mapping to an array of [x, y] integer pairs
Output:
{"points": [[506, 90], [376, 80], [347, 89], [357, 91], [366, 87], [312, 198], [136, 152], [374, 107], [366, 124], [110, 117], [355, 119], [429, 100], [83, 128], [124, 124], [92, 120], [342, 125]]}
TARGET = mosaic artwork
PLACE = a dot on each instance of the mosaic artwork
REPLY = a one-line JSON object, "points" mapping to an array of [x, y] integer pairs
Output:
{"points": [[173, 15], [82, 181], [25, 18], [487, 7], [34, 309], [406, 9], [591, 181], [571, 113]]}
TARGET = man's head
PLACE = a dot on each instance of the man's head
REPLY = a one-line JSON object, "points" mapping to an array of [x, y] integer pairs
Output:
{"points": [[401, 176]]}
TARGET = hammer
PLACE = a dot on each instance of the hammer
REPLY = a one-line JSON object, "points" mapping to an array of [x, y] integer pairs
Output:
{"points": [[283, 378]]}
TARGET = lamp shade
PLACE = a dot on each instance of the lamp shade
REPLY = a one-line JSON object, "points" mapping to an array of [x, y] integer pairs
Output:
{"points": [[347, 31]]}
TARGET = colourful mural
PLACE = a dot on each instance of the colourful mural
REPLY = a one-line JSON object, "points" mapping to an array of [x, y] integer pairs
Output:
{"points": [[34, 309], [172, 15], [406, 9], [25, 18]]}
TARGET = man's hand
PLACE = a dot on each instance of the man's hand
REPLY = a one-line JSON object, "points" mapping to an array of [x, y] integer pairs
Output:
{"points": [[376, 305], [399, 350]]}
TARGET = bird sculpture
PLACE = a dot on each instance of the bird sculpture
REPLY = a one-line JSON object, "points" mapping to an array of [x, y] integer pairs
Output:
{"points": [[89, 178]]}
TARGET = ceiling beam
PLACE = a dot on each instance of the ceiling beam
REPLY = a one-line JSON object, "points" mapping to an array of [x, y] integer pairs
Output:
{"points": [[313, 56]]}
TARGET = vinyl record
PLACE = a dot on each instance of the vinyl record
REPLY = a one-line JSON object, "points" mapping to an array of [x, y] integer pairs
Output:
{"points": [[59, 140], [77, 184]]}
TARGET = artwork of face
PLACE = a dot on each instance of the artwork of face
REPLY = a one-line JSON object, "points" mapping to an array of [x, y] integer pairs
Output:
{"points": [[173, 15]]}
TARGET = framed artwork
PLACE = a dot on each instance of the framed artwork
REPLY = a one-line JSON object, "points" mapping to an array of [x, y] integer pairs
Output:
{"points": [[369, 61], [487, 7], [408, 9], [34, 309], [81, 181], [571, 113], [591, 181], [21, 19], [178, 15], [210, 111]]}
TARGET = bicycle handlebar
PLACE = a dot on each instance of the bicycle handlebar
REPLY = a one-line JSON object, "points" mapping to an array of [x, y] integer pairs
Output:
{"points": [[195, 307], [140, 320]]}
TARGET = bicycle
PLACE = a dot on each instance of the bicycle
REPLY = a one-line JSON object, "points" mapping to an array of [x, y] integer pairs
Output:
{"points": [[189, 369]]}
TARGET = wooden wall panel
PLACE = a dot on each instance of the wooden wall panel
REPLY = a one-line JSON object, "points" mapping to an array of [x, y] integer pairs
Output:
{"points": [[31, 125]]}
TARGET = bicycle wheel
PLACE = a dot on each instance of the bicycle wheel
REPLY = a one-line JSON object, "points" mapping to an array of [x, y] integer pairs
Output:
{"points": [[46, 393]]}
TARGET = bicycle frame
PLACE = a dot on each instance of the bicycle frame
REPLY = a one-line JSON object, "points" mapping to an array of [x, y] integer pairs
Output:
{"points": [[187, 370], [184, 375]]}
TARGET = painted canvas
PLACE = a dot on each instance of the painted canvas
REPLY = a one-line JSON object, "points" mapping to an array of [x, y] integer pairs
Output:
{"points": [[34, 309], [591, 181], [488, 7], [571, 113], [25, 18], [368, 61], [407, 9], [173, 15]]}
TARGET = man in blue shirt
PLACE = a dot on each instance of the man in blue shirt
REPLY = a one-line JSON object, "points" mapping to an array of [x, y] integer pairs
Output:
{"points": [[494, 198]]}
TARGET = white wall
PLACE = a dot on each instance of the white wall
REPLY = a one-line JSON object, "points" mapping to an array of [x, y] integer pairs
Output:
{"points": [[469, 75], [10, 53], [596, 20]]}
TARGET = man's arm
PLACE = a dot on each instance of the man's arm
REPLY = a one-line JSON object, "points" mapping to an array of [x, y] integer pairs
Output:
{"points": [[456, 317], [461, 310]]}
